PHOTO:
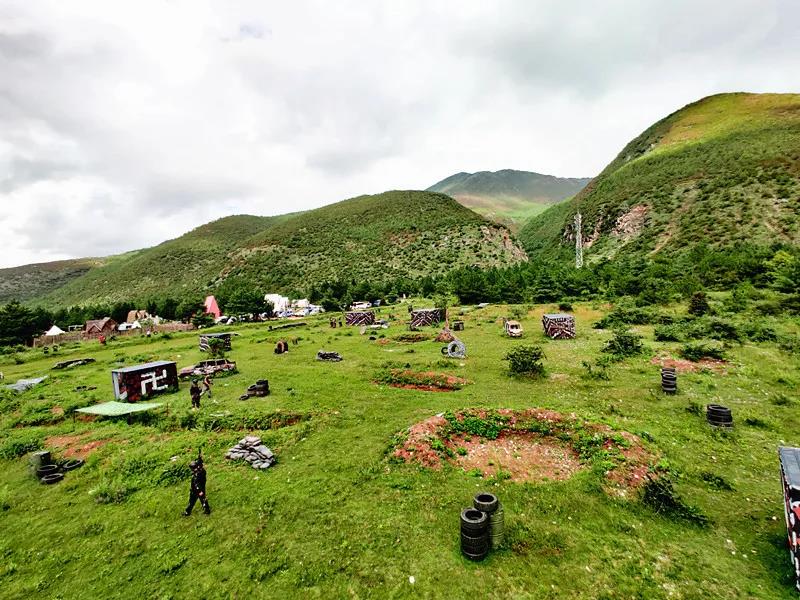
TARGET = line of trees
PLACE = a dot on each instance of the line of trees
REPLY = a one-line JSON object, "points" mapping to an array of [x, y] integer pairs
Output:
{"points": [[650, 281]]}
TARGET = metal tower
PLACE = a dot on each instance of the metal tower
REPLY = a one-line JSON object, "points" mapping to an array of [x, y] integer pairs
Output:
{"points": [[578, 242]]}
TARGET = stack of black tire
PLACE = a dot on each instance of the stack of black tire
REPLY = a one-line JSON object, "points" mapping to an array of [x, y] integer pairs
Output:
{"points": [[49, 472], [482, 526], [259, 389], [669, 380], [719, 416]]}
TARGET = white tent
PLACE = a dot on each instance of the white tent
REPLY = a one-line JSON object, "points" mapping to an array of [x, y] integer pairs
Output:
{"points": [[54, 330]]}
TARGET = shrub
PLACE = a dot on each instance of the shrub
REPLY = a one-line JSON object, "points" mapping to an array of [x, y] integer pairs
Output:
{"points": [[660, 495], [699, 351], [565, 307], [757, 331], [625, 343], [598, 370], [698, 304], [525, 360], [722, 329], [19, 444], [668, 333]]}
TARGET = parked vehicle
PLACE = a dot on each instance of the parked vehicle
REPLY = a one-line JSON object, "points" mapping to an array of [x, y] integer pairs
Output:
{"points": [[513, 329]]}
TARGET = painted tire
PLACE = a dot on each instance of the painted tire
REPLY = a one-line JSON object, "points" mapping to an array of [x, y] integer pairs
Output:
{"points": [[51, 478]]}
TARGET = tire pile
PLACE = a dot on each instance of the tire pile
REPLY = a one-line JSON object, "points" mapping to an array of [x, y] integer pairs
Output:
{"points": [[482, 526], [259, 389], [669, 380], [455, 349], [281, 347], [49, 472], [719, 416], [790, 478], [329, 356], [251, 450]]}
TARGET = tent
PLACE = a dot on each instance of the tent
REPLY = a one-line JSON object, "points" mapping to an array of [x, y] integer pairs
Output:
{"points": [[212, 308], [54, 330]]}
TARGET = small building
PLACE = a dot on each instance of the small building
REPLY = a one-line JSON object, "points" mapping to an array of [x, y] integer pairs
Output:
{"points": [[224, 337], [212, 308], [423, 317], [54, 330], [142, 381], [98, 327], [559, 326], [279, 303]]}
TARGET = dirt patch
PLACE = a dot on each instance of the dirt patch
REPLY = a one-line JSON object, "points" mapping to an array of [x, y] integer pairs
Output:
{"points": [[687, 366], [72, 446], [523, 456], [533, 445], [631, 223], [427, 381]]}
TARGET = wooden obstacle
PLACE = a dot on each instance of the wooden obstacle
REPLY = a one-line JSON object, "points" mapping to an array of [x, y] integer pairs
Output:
{"points": [[359, 317], [559, 326], [425, 317], [225, 338], [790, 478]]}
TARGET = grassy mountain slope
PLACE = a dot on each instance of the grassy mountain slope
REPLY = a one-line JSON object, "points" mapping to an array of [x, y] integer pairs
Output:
{"points": [[375, 238], [175, 267], [508, 196], [723, 170], [31, 281], [397, 233]]}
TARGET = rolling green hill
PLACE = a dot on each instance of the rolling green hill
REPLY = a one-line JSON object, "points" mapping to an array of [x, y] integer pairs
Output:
{"points": [[721, 171], [31, 281], [177, 267], [509, 197], [374, 238]]}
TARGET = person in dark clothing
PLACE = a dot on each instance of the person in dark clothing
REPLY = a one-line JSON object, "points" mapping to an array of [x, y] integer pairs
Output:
{"points": [[197, 489], [195, 393]]}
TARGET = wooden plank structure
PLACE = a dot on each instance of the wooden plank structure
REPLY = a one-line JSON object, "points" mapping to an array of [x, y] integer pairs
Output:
{"points": [[224, 337], [142, 381], [425, 317], [359, 317], [559, 326], [790, 478]]}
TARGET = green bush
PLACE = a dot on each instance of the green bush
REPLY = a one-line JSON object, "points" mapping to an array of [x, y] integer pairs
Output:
{"points": [[698, 304], [698, 351], [669, 333], [525, 360], [20, 443], [625, 343]]}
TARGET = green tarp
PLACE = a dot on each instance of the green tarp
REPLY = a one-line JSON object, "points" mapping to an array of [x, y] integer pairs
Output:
{"points": [[118, 409]]}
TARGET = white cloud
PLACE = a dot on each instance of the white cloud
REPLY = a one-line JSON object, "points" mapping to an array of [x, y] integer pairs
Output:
{"points": [[124, 124]]}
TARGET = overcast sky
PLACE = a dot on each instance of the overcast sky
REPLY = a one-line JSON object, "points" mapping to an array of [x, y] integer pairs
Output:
{"points": [[123, 124]]}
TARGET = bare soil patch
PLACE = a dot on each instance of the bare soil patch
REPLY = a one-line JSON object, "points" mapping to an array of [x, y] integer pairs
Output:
{"points": [[533, 445], [427, 381], [72, 446], [687, 366]]}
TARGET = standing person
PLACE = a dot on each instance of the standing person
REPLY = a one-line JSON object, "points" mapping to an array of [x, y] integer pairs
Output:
{"points": [[207, 385], [195, 393], [197, 489]]}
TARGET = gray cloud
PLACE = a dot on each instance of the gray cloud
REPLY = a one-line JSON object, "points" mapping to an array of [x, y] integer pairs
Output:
{"points": [[124, 125]]}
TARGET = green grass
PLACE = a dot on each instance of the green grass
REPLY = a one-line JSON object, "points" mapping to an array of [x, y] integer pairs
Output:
{"points": [[722, 171], [335, 517]]}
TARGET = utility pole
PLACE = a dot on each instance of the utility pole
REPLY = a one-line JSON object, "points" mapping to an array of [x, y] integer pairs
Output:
{"points": [[578, 242]]}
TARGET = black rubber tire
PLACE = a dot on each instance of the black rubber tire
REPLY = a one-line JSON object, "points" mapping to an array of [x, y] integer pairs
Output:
{"points": [[263, 382], [45, 470], [444, 350], [51, 478], [244, 396], [485, 501], [474, 522], [475, 545], [71, 465], [475, 557]]}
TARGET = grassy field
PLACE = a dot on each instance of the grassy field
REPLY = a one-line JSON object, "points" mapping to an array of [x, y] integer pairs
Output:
{"points": [[336, 518]]}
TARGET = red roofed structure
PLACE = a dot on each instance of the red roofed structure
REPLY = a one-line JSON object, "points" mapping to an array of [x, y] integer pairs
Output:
{"points": [[212, 308]]}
